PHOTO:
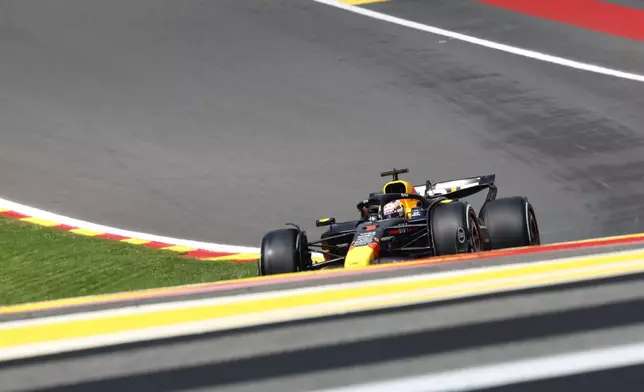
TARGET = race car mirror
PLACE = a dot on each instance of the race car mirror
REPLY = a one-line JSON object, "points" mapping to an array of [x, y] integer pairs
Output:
{"points": [[324, 222]]}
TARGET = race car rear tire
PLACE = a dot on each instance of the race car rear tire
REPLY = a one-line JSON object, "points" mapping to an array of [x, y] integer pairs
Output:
{"points": [[511, 223], [455, 229], [281, 253]]}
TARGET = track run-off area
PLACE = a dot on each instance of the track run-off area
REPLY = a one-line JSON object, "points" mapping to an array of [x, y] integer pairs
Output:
{"points": [[218, 121]]}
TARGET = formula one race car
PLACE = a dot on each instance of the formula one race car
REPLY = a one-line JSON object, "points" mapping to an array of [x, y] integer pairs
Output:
{"points": [[407, 222]]}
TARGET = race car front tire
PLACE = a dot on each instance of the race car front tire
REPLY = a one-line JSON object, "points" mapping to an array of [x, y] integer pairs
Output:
{"points": [[511, 223], [281, 253]]}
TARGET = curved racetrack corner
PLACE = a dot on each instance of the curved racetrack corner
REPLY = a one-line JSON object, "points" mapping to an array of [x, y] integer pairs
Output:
{"points": [[220, 120]]}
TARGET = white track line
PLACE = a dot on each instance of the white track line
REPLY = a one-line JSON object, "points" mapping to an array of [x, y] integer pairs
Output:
{"points": [[490, 376], [488, 44], [37, 213]]}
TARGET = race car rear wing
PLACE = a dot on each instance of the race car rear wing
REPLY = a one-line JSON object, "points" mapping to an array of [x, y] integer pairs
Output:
{"points": [[458, 189]]}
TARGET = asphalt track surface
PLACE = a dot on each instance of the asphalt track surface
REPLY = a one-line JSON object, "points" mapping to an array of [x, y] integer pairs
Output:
{"points": [[220, 120]]}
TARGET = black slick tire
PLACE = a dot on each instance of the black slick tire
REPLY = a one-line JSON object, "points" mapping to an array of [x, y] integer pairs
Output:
{"points": [[511, 223], [455, 229], [280, 252]]}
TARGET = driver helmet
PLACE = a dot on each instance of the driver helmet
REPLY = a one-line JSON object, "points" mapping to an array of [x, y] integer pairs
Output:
{"points": [[393, 209]]}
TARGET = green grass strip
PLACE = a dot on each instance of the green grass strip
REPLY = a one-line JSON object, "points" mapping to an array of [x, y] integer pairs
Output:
{"points": [[39, 263]]}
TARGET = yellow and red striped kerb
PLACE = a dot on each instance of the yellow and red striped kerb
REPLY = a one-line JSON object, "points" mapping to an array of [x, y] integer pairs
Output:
{"points": [[194, 253]]}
